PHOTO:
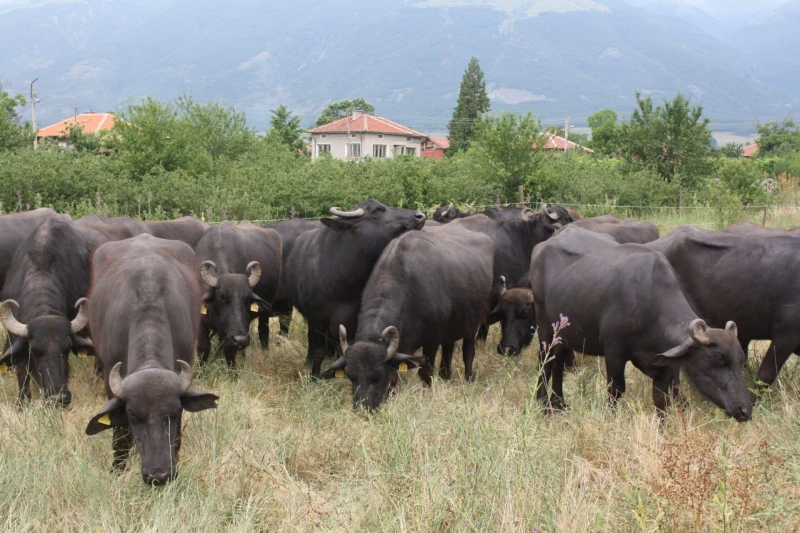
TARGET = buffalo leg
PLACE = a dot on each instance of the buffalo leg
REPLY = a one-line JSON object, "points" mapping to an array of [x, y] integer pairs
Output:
{"points": [[615, 376], [285, 320], [122, 444], [546, 337], [663, 388], [263, 329], [468, 353], [777, 354], [563, 357], [483, 332], [204, 343], [230, 356], [425, 372], [24, 381], [317, 344], [446, 364]]}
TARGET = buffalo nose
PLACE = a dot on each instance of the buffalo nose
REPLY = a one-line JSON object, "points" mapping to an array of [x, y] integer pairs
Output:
{"points": [[241, 341], [61, 399], [505, 349], [159, 477], [743, 414], [420, 216]]}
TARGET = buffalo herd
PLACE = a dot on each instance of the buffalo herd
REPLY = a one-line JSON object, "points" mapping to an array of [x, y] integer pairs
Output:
{"points": [[377, 285]]}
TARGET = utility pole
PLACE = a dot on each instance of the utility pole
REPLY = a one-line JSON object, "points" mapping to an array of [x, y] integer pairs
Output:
{"points": [[566, 133], [33, 115]]}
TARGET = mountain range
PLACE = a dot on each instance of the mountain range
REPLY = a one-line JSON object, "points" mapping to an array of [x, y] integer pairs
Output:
{"points": [[555, 57]]}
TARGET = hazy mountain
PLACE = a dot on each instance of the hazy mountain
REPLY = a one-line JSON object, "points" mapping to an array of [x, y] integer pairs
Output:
{"points": [[555, 57]]}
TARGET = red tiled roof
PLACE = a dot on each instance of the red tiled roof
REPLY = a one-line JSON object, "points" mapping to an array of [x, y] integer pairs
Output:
{"points": [[364, 124], [441, 142], [554, 142], [750, 150], [92, 123]]}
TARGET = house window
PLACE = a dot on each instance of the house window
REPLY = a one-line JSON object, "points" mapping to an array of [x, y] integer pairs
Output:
{"points": [[411, 151], [409, 139], [380, 136], [379, 150], [355, 149], [324, 136], [353, 135], [323, 149]]}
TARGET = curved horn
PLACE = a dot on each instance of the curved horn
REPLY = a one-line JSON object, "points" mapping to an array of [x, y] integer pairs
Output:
{"points": [[186, 375], [467, 210], [697, 330], [12, 325], [502, 286], [343, 338], [254, 271], [82, 318], [547, 212], [348, 214], [447, 209], [528, 213], [206, 275], [731, 328], [393, 336], [115, 381]]}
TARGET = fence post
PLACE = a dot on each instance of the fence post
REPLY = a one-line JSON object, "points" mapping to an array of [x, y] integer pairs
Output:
{"points": [[764, 220], [522, 196]]}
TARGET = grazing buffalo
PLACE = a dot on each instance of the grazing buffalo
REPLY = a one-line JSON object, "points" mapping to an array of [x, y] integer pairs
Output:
{"points": [[145, 316], [513, 214], [624, 301], [329, 267], [751, 279], [13, 229], [448, 213], [427, 289], [623, 231], [47, 282], [240, 267], [288, 230]]}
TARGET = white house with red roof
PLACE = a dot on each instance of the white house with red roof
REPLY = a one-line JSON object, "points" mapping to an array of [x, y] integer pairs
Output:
{"points": [[363, 135], [90, 122]]}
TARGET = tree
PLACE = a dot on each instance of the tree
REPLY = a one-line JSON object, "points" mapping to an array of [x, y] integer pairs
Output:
{"points": [[731, 150], [673, 139], [777, 137], [13, 135], [472, 103], [605, 132], [509, 143], [285, 129], [338, 110]]}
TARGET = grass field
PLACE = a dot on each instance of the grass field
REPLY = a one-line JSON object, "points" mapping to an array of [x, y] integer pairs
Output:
{"points": [[282, 453]]}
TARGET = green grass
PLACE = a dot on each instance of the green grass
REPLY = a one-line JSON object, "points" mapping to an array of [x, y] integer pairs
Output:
{"points": [[282, 453]]}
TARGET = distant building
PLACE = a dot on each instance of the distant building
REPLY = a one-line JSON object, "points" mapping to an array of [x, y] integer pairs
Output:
{"points": [[90, 121], [434, 147], [750, 150], [555, 142], [363, 135]]}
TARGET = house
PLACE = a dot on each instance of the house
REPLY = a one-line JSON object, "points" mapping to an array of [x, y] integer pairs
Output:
{"points": [[434, 147], [90, 121], [555, 142], [363, 135], [750, 150]]}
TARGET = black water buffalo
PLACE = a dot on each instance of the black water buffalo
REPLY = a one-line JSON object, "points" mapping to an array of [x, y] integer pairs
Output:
{"points": [[288, 230], [750, 229], [240, 267], [427, 289], [47, 282], [145, 316], [751, 279], [13, 230], [186, 229], [625, 302], [447, 213], [623, 231], [512, 214], [329, 266]]}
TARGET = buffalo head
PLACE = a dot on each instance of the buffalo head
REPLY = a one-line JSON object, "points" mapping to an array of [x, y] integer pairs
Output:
{"points": [[231, 303], [547, 220], [712, 358], [375, 222], [150, 402], [518, 319], [372, 367], [44, 344], [446, 213]]}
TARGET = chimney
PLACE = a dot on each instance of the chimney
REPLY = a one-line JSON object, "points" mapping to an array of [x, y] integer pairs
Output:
{"points": [[357, 113]]}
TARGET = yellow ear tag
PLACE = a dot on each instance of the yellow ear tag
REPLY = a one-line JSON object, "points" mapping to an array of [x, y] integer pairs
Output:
{"points": [[4, 368], [105, 420], [203, 310], [402, 367], [83, 352], [254, 307], [339, 373]]}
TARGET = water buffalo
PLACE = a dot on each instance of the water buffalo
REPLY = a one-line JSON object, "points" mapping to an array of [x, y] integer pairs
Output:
{"points": [[751, 279], [623, 231], [329, 266], [427, 289], [625, 302], [144, 317], [46, 283], [750, 229], [447, 213], [240, 267], [288, 230], [186, 229], [13, 229]]}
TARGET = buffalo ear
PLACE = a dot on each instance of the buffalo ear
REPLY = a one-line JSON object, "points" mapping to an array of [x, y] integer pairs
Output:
{"points": [[336, 368], [194, 400], [79, 343], [673, 355], [111, 415], [338, 224], [411, 361], [15, 353]]}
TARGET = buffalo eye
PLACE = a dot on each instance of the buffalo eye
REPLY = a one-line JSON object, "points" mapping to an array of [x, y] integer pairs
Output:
{"points": [[522, 313], [719, 358]]}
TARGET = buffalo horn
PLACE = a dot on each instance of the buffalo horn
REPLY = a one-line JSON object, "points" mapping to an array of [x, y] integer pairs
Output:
{"points": [[467, 209], [502, 286], [254, 271], [12, 325], [343, 338], [547, 212], [348, 214], [393, 336], [206, 275], [697, 329], [731, 328], [527, 213], [115, 381], [82, 318], [186, 375], [447, 210]]}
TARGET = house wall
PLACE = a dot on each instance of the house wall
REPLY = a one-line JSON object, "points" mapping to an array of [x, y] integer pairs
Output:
{"points": [[339, 143]]}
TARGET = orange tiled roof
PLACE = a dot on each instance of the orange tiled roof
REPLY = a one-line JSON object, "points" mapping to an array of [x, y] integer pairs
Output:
{"points": [[750, 150], [366, 124], [441, 142], [554, 142], [92, 123]]}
